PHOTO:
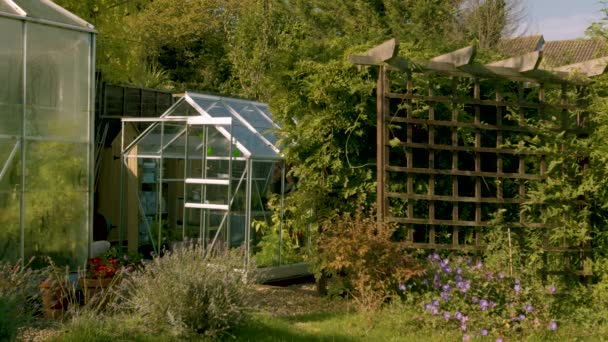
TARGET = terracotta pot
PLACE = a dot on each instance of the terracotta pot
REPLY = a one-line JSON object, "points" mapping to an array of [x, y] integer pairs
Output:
{"points": [[54, 298], [93, 289]]}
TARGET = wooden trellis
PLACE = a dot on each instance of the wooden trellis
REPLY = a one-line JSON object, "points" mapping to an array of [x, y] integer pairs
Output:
{"points": [[450, 135]]}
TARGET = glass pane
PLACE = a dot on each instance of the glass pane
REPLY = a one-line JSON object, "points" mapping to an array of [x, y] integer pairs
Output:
{"points": [[58, 83], [205, 102], [150, 144], [10, 164], [43, 9], [182, 108], [252, 142], [57, 228], [11, 65], [9, 226], [56, 167], [250, 114]]}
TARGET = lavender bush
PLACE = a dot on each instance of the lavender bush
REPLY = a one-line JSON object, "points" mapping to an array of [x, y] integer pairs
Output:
{"points": [[479, 302]]}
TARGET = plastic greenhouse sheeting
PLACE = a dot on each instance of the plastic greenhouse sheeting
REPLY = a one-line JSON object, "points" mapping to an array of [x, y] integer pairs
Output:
{"points": [[45, 10]]}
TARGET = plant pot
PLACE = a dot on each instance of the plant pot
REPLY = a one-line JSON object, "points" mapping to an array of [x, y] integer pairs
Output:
{"points": [[54, 298], [94, 289]]}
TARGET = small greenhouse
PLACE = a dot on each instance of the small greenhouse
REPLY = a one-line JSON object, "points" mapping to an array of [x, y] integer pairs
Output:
{"points": [[205, 171], [46, 95]]}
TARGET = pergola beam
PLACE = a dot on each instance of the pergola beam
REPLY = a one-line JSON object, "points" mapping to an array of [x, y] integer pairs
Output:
{"points": [[377, 55], [457, 58], [593, 67], [527, 62], [460, 63]]}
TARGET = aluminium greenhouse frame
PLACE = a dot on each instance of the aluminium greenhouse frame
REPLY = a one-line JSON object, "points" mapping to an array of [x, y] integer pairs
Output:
{"points": [[210, 125]]}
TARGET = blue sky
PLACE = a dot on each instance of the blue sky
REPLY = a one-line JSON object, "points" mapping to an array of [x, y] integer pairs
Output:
{"points": [[561, 19]]}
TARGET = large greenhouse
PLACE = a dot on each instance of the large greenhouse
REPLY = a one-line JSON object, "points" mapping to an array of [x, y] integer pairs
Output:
{"points": [[207, 171], [46, 96]]}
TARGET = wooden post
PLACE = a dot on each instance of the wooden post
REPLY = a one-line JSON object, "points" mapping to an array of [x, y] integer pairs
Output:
{"points": [[382, 110]]}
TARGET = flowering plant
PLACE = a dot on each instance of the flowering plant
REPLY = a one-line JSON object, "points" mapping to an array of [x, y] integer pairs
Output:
{"points": [[110, 264], [480, 302], [102, 268]]}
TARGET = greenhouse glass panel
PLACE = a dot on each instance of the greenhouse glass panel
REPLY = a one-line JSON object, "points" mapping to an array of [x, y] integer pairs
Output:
{"points": [[10, 234], [250, 114], [48, 11], [5, 7], [11, 61], [10, 164], [55, 229], [181, 108], [45, 132], [57, 83], [54, 166]]}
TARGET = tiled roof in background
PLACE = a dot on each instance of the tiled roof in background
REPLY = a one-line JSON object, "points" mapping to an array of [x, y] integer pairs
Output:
{"points": [[521, 45], [564, 52]]}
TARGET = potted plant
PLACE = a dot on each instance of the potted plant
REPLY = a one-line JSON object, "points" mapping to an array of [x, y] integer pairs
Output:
{"points": [[104, 271]]}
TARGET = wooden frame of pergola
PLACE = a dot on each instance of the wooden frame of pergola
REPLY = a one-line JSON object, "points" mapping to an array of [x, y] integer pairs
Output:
{"points": [[434, 137]]}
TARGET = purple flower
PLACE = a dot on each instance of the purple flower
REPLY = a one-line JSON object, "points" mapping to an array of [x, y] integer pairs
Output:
{"points": [[552, 289], [552, 325], [459, 271], [517, 288], [458, 315], [446, 287], [446, 316], [444, 262], [489, 276], [434, 310], [469, 261], [499, 339], [484, 332], [435, 256], [437, 277], [427, 307], [500, 275], [522, 317], [458, 278], [516, 281], [491, 304], [528, 308], [463, 327], [466, 337], [402, 287], [445, 296], [483, 304], [475, 299], [446, 270], [435, 302]]}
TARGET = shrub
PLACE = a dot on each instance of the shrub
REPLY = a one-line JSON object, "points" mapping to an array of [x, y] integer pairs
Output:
{"points": [[18, 298], [361, 254], [184, 292]]}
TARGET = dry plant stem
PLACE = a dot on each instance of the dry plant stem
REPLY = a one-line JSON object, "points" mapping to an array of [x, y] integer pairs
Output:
{"points": [[510, 253]]}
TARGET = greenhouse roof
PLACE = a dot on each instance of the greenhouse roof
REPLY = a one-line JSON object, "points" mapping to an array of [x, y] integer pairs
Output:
{"points": [[43, 11], [252, 127]]}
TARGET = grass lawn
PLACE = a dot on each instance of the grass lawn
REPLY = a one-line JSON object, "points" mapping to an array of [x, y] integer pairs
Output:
{"points": [[293, 314]]}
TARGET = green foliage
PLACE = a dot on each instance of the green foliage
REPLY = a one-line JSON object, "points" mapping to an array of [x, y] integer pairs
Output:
{"points": [[184, 293], [18, 298], [292, 240], [361, 256]]}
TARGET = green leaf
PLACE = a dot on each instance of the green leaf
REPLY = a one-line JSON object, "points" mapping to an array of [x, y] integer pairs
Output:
{"points": [[394, 142]]}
